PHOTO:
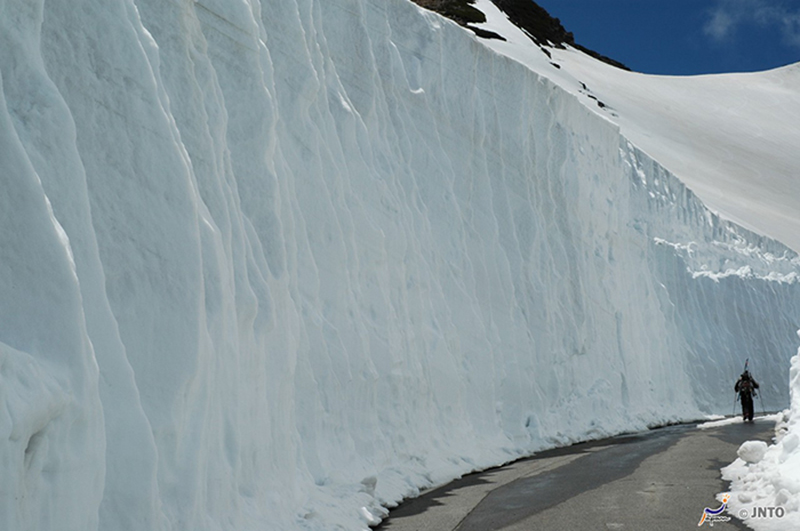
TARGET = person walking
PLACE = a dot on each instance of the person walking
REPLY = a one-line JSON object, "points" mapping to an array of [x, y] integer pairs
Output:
{"points": [[746, 386]]}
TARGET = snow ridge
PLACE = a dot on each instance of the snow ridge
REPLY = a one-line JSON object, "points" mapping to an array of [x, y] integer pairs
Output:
{"points": [[323, 257]]}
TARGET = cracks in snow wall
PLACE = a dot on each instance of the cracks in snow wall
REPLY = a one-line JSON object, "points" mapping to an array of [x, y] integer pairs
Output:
{"points": [[281, 264]]}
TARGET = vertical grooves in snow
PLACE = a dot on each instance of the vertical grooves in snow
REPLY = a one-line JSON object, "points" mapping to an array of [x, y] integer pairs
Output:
{"points": [[329, 253]]}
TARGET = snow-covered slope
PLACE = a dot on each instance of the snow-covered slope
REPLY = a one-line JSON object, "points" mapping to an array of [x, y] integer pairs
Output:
{"points": [[731, 138], [273, 265]]}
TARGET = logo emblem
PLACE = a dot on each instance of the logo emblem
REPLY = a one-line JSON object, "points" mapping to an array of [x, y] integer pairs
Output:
{"points": [[713, 515]]}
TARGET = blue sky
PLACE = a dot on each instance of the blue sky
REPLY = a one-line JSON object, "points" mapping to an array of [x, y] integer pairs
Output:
{"points": [[686, 36]]}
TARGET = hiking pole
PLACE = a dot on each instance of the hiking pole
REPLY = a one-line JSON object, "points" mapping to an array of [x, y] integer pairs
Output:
{"points": [[763, 411]]}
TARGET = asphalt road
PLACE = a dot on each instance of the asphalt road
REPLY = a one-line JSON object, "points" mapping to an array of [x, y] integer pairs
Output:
{"points": [[658, 480]]}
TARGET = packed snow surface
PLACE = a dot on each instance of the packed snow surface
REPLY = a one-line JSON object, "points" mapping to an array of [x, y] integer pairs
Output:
{"points": [[738, 420], [279, 264]]}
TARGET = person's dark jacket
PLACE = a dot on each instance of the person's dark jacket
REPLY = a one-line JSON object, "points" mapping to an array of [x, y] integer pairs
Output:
{"points": [[745, 385]]}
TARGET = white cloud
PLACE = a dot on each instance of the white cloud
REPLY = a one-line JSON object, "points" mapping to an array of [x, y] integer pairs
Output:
{"points": [[791, 29], [727, 15], [720, 26]]}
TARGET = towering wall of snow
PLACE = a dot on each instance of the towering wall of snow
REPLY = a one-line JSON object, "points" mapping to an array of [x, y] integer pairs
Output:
{"points": [[272, 265]]}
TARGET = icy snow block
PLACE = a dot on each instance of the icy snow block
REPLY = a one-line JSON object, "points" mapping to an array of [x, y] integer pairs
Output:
{"points": [[752, 451]]}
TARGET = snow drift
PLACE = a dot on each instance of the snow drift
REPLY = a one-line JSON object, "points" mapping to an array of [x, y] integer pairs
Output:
{"points": [[278, 264]]}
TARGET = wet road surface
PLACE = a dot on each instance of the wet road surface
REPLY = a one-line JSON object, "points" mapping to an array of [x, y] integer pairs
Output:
{"points": [[658, 480]]}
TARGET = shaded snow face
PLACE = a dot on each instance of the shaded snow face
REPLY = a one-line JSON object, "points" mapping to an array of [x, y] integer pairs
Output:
{"points": [[277, 265]]}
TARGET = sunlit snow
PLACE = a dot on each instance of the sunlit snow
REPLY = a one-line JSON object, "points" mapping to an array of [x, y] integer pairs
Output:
{"points": [[730, 138], [280, 264]]}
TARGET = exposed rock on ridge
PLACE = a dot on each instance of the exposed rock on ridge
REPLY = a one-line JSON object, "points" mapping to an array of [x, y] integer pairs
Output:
{"points": [[537, 23]]}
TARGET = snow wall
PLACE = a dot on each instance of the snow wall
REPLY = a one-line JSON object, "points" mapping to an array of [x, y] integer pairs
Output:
{"points": [[274, 265]]}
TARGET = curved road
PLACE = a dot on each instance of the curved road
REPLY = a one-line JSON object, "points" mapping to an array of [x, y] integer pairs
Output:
{"points": [[658, 480]]}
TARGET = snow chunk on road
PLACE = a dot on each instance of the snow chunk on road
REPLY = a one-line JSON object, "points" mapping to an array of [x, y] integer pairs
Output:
{"points": [[752, 451]]}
